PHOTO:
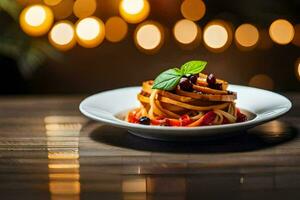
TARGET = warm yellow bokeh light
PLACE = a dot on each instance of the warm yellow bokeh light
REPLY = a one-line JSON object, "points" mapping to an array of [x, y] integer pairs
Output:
{"points": [[64, 188], [136, 185], [35, 16], [133, 6], [62, 155], [246, 35], [63, 9], [149, 37], [64, 176], [88, 29], [281, 31], [116, 29], [134, 11], [84, 8], [185, 31], [216, 36], [74, 165], [193, 9], [52, 2], [90, 32], [262, 81], [36, 20], [62, 35], [298, 69]]}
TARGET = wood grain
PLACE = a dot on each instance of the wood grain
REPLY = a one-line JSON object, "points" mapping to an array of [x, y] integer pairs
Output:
{"points": [[48, 150]]}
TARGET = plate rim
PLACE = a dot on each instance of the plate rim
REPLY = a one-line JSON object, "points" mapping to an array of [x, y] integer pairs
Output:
{"points": [[123, 124]]}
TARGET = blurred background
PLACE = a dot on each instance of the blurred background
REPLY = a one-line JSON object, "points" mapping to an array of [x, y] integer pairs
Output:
{"points": [[87, 46]]}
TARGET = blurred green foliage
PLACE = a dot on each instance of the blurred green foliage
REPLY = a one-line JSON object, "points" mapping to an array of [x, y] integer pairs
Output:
{"points": [[29, 53]]}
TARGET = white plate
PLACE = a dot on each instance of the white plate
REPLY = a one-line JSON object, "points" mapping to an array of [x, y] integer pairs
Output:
{"points": [[110, 106]]}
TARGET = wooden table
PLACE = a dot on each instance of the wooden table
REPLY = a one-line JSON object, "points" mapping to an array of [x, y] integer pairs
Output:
{"points": [[48, 150]]}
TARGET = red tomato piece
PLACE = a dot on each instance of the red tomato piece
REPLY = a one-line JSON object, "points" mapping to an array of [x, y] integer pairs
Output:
{"points": [[241, 117], [208, 118], [159, 121], [185, 120], [173, 122], [132, 118]]}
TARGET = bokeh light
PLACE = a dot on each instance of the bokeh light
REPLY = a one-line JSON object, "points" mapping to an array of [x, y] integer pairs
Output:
{"points": [[52, 2], [193, 9], [262, 81], [296, 39], [217, 36], [116, 29], [149, 37], [246, 36], [187, 33], [134, 11], [63, 9], [90, 32], [36, 20], [62, 35], [84, 8], [297, 69], [281, 31]]}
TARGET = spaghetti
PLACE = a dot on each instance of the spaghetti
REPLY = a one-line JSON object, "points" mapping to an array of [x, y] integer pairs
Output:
{"points": [[203, 104]]}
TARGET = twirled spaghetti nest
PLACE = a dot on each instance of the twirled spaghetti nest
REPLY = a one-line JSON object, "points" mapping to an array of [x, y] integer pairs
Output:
{"points": [[161, 106]]}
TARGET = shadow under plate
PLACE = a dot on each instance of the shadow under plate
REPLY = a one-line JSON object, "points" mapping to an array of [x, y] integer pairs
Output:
{"points": [[263, 136]]}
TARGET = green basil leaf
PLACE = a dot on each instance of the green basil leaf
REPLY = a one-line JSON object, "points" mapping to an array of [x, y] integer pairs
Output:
{"points": [[167, 80], [193, 67]]}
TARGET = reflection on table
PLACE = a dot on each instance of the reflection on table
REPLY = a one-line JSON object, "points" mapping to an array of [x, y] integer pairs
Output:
{"points": [[122, 166], [49, 151], [63, 155]]}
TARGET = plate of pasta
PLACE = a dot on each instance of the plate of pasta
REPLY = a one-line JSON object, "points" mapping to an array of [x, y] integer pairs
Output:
{"points": [[183, 103]]}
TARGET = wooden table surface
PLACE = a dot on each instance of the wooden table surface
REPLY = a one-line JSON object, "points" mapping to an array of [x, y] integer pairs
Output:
{"points": [[48, 150]]}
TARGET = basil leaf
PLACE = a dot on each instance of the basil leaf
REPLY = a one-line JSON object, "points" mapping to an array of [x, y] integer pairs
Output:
{"points": [[167, 80], [193, 67]]}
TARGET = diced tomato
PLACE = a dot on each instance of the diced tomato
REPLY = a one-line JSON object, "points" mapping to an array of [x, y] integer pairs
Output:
{"points": [[159, 121], [208, 118], [132, 118], [156, 122], [173, 122], [240, 116], [185, 120]]}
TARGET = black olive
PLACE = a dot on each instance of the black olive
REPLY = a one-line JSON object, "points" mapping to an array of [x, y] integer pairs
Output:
{"points": [[211, 79], [144, 120], [185, 84], [193, 78]]}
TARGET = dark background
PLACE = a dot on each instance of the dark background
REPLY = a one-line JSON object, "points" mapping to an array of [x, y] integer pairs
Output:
{"points": [[113, 65]]}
